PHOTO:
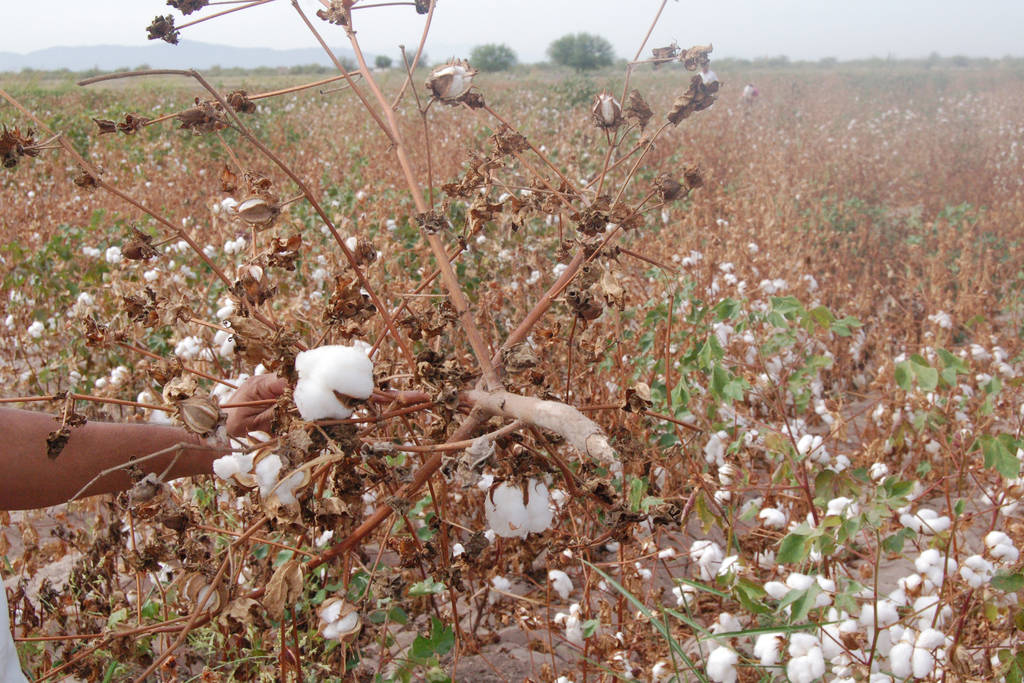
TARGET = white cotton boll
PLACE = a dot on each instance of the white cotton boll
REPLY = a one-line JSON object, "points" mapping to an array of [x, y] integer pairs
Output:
{"points": [[266, 472], [36, 329], [666, 553], [1001, 547], [976, 571], [766, 648], [231, 464], [285, 490], [843, 506], [573, 624], [225, 343], [799, 582], [708, 556], [342, 626], [776, 589], [930, 639], [684, 594], [714, 449], [326, 370], [773, 518], [499, 586], [539, 510], [661, 673], [726, 623], [807, 661], [887, 613], [458, 549], [900, 659], [721, 665], [226, 310], [561, 583], [113, 255], [510, 518], [878, 471], [323, 538], [922, 662]]}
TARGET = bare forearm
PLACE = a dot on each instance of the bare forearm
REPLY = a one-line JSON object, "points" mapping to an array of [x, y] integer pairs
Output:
{"points": [[30, 479]]}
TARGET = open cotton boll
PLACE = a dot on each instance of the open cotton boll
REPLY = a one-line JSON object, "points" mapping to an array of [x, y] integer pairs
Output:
{"points": [[327, 371], [231, 464], [266, 472], [561, 583], [510, 518], [721, 666]]}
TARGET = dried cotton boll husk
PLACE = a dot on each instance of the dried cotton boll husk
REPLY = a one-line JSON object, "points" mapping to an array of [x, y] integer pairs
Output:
{"points": [[451, 81], [327, 373], [257, 211], [607, 111]]}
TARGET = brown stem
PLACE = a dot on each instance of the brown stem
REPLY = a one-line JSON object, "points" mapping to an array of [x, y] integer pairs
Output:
{"points": [[448, 277]]}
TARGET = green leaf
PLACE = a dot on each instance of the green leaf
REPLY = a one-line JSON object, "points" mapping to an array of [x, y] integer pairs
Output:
{"points": [[117, 617], [904, 375], [1000, 454], [590, 627], [1009, 583], [927, 377], [793, 549]]}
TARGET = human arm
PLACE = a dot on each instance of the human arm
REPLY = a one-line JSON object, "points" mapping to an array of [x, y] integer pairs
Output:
{"points": [[31, 479]]}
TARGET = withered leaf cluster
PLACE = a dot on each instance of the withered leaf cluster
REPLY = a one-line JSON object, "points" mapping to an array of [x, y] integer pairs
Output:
{"points": [[337, 13], [698, 96], [163, 28], [14, 145], [188, 6], [422, 6], [479, 170], [131, 124], [257, 343], [142, 308], [664, 54], [672, 189], [203, 117], [508, 141], [432, 221], [696, 57], [637, 109], [284, 252], [86, 180], [348, 302], [430, 324], [240, 102], [139, 247]]}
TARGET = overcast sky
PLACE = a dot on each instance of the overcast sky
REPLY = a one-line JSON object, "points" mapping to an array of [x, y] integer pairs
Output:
{"points": [[800, 29]]}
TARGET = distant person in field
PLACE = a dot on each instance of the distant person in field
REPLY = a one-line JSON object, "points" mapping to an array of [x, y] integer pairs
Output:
{"points": [[750, 93]]}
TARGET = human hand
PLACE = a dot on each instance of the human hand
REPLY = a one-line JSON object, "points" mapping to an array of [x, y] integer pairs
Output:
{"points": [[256, 418]]}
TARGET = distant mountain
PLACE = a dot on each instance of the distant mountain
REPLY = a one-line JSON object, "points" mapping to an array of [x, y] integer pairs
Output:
{"points": [[160, 55]]}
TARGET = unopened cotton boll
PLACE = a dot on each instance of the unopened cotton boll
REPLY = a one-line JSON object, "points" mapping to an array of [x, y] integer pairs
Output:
{"points": [[327, 371]]}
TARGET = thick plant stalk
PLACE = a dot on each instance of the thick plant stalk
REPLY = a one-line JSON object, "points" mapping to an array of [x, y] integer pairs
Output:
{"points": [[581, 432]]}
